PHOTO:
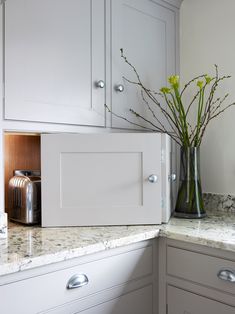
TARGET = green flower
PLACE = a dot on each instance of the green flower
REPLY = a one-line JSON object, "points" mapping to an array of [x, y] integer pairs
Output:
{"points": [[200, 84], [174, 80], [208, 79], [165, 90]]}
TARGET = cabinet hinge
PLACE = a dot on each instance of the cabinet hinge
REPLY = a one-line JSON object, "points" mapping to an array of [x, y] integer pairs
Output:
{"points": [[162, 156]]}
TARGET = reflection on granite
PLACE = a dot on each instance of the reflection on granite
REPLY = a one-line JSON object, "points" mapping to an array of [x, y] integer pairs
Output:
{"points": [[219, 202], [29, 247]]}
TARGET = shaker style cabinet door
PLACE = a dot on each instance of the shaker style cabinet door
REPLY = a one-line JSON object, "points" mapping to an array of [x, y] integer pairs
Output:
{"points": [[54, 57], [146, 32], [184, 302], [101, 179]]}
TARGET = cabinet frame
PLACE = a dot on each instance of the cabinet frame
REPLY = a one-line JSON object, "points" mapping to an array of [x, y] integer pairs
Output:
{"points": [[166, 279]]}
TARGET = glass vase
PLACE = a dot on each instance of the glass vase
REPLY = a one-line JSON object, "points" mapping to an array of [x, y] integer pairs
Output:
{"points": [[189, 200]]}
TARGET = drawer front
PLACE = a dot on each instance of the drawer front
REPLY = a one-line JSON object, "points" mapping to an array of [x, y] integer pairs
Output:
{"points": [[183, 302], [201, 268], [50, 290], [135, 302]]}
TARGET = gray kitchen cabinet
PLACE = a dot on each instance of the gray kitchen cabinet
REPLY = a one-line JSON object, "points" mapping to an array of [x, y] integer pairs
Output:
{"points": [[184, 302], [62, 59], [146, 30], [135, 302], [118, 281], [195, 279], [54, 57]]}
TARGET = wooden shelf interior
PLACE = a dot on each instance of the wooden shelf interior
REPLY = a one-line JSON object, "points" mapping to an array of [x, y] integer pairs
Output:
{"points": [[21, 152]]}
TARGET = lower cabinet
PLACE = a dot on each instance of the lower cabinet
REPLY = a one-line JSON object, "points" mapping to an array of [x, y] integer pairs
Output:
{"points": [[117, 281], [136, 302], [195, 279], [183, 302]]}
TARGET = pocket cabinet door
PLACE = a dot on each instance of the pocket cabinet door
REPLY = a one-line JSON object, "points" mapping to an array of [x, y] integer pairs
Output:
{"points": [[102, 179]]}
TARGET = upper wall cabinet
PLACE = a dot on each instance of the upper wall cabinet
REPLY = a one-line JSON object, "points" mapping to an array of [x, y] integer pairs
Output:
{"points": [[54, 57], [62, 59], [147, 33]]}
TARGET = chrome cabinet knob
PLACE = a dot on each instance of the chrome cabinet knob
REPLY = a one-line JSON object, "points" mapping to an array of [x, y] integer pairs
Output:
{"points": [[172, 177], [227, 275], [77, 281], [152, 178], [100, 84], [119, 88]]}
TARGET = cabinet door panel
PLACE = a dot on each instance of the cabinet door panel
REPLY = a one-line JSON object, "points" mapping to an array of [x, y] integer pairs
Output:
{"points": [[50, 49], [146, 32], [183, 302], [101, 179]]}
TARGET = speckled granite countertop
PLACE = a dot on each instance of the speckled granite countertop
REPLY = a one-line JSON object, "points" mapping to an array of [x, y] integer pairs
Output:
{"points": [[216, 231], [29, 247]]}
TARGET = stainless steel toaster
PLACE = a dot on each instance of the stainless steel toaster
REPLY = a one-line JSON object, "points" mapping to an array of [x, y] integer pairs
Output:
{"points": [[25, 196]]}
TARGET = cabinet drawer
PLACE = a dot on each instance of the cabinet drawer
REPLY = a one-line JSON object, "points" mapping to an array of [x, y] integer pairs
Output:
{"points": [[50, 290], [135, 302], [200, 268], [184, 302]]}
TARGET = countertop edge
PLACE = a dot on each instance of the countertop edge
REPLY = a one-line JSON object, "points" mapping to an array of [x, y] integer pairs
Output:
{"points": [[51, 258], [29, 248]]}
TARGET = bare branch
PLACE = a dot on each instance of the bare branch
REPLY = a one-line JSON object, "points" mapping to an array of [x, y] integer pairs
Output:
{"points": [[174, 112], [141, 85], [212, 117], [151, 110], [175, 138], [194, 98], [190, 82], [127, 120], [214, 109]]}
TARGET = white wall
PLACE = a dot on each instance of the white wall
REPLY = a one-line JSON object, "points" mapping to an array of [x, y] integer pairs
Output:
{"points": [[207, 37]]}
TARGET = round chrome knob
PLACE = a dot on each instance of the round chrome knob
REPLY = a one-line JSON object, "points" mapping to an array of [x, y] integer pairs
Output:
{"points": [[119, 88], [152, 178], [172, 177], [100, 84]]}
